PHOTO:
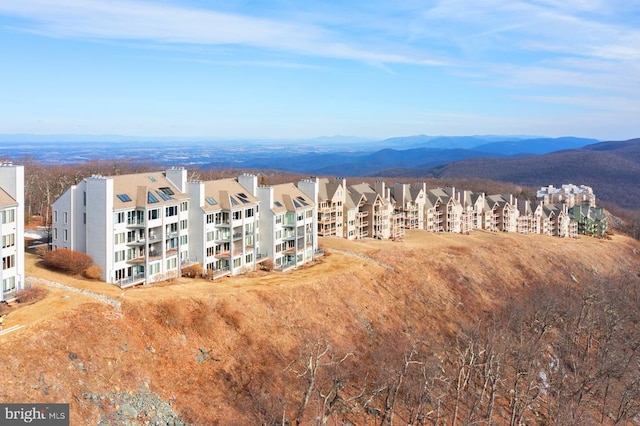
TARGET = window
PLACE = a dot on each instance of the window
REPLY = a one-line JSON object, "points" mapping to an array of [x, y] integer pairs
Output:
{"points": [[55, 233], [119, 238], [9, 262], [162, 195], [237, 215], [9, 284], [172, 263], [184, 240], [278, 219], [184, 224], [166, 190], [66, 217], [210, 251], [119, 256], [8, 240], [84, 198], [248, 258], [154, 214], [65, 235], [120, 217], [210, 236], [171, 211], [154, 268], [55, 216], [248, 213], [184, 206], [210, 218], [310, 213], [8, 216], [237, 262]]}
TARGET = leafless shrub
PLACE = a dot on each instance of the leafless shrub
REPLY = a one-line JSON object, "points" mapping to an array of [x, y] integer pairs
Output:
{"points": [[70, 261], [93, 272]]}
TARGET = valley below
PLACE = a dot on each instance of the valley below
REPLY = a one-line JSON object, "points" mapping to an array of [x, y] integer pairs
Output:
{"points": [[433, 329]]}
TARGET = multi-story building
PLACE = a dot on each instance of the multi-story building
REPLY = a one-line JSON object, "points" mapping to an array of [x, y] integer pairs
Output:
{"points": [[356, 225], [589, 220], [448, 210], [135, 227], [12, 230], [288, 222], [568, 194], [224, 227], [410, 203], [472, 204], [332, 197], [376, 208]]}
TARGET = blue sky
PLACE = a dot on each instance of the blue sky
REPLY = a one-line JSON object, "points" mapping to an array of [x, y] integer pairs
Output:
{"points": [[302, 69]]}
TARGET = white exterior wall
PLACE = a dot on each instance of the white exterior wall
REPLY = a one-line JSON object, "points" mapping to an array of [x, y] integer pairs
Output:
{"points": [[12, 182], [311, 187], [267, 221], [197, 223], [99, 227]]}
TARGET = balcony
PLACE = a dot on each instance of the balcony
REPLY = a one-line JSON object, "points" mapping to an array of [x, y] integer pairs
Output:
{"points": [[138, 242], [131, 281]]}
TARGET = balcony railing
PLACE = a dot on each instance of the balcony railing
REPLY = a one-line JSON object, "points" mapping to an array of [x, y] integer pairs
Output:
{"points": [[131, 281]]}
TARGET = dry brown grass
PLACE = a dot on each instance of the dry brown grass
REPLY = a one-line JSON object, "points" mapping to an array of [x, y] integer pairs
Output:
{"points": [[258, 324]]}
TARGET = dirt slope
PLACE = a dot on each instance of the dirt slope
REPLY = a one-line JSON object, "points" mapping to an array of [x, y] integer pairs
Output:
{"points": [[225, 352]]}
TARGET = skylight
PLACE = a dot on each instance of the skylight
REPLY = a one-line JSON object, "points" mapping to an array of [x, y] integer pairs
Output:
{"points": [[304, 203], [151, 198], [123, 197], [152, 178], [164, 196], [277, 204], [167, 190], [211, 201]]}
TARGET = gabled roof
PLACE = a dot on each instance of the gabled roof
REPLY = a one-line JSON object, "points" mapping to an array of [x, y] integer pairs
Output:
{"points": [[288, 198], [144, 190], [226, 194], [327, 189], [368, 192], [6, 200], [353, 199]]}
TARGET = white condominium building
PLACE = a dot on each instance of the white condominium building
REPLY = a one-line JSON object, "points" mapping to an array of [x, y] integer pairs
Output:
{"points": [[135, 227], [12, 230], [225, 227], [288, 222]]}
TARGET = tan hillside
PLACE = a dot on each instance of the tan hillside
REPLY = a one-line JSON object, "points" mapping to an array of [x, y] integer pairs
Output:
{"points": [[235, 351]]}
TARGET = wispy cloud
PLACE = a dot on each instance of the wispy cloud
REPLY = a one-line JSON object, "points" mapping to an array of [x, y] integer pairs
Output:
{"points": [[165, 23]]}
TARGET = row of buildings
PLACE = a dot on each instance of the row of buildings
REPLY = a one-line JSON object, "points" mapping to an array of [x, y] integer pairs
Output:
{"points": [[147, 227]]}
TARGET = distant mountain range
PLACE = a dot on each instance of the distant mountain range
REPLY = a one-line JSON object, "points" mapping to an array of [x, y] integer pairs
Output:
{"points": [[412, 152], [612, 169]]}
